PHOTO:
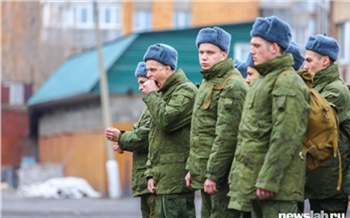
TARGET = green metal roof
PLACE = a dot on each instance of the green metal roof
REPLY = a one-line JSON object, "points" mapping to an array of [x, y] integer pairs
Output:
{"points": [[121, 78], [79, 74]]}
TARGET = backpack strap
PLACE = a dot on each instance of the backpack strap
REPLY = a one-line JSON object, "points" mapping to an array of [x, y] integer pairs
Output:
{"points": [[221, 86]]}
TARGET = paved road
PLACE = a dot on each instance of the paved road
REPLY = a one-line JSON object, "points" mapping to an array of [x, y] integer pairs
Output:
{"points": [[14, 206]]}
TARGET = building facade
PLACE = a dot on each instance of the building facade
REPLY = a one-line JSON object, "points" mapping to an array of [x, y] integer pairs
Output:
{"points": [[341, 31]]}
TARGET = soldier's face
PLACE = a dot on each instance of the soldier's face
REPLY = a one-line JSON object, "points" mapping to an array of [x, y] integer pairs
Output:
{"points": [[209, 55], [252, 73], [261, 50], [315, 62], [141, 80], [158, 72]]}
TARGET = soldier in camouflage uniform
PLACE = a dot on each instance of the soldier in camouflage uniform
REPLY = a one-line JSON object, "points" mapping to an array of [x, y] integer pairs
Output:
{"points": [[246, 68], [136, 141], [298, 59], [267, 170], [321, 183], [215, 121], [169, 139]]}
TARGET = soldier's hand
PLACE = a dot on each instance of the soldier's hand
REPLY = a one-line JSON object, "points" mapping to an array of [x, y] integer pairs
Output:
{"points": [[263, 193], [151, 186], [149, 86], [117, 148], [112, 134], [210, 187], [188, 179]]}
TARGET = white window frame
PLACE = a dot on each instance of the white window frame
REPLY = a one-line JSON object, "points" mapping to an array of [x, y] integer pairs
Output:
{"points": [[143, 20], [181, 18], [241, 50], [72, 16], [16, 93], [344, 55], [78, 22], [115, 17]]}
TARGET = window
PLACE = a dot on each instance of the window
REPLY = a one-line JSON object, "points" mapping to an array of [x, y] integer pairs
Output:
{"points": [[344, 42], [16, 93], [182, 14], [182, 19], [80, 15], [142, 20], [241, 51], [84, 16], [109, 16]]}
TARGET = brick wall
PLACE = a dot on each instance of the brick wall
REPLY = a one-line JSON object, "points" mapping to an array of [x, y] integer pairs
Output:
{"points": [[14, 132]]}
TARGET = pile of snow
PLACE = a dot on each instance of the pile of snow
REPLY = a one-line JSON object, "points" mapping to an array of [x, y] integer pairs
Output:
{"points": [[64, 187]]}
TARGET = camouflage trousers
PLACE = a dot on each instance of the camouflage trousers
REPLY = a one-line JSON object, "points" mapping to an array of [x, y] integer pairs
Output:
{"points": [[329, 206], [271, 208], [179, 205], [148, 206], [216, 206]]}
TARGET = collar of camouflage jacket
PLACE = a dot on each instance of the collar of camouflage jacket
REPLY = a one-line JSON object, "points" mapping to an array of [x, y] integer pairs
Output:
{"points": [[177, 77], [218, 70], [280, 62], [327, 75]]}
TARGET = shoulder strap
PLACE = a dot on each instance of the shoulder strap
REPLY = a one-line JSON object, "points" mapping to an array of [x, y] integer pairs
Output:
{"points": [[221, 86]]}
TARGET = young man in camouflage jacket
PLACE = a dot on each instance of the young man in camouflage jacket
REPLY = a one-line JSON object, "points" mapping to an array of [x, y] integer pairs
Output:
{"points": [[169, 99], [267, 173], [136, 141]]}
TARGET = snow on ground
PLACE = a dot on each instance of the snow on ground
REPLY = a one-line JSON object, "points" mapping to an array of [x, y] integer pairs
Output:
{"points": [[63, 187]]}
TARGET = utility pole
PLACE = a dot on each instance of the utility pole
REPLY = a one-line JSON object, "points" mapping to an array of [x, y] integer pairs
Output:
{"points": [[114, 189]]}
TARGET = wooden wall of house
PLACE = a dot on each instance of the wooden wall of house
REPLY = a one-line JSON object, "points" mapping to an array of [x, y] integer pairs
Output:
{"points": [[84, 155]]}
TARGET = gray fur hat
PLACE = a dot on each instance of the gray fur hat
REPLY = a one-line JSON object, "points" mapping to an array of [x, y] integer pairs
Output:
{"points": [[323, 45], [272, 29], [249, 62], [216, 36], [241, 66], [297, 56], [141, 69], [162, 53]]}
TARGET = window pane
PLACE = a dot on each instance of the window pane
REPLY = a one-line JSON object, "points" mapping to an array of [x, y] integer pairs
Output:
{"points": [[181, 19], [107, 15], [84, 15]]}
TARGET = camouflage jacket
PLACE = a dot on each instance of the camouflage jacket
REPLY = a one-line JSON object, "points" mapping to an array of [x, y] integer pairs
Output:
{"points": [[215, 121], [274, 121], [318, 186], [169, 138], [136, 141]]}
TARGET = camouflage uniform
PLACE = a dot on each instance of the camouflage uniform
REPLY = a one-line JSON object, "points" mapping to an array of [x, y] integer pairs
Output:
{"points": [[321, 183], [274, 121], [171, 111], [136, 141], [214, 127]]}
